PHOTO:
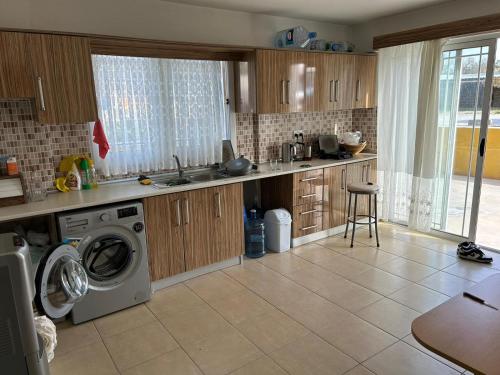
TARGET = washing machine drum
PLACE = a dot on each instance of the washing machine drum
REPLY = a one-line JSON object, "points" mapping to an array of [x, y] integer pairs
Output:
{"points": [[60, 281]]}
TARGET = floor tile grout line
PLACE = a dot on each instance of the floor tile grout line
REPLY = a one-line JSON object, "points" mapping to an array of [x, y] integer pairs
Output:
{"points": [[106, 347], [236, 328], [290, 317], [173, 337]]}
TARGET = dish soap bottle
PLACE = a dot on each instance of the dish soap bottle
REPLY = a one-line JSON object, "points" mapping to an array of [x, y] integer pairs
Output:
{"points": [[93, 174], [86, 178]]}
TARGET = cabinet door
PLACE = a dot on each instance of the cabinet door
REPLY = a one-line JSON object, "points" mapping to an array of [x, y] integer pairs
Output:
{"points": [[15, 77], [164, 229], [270, 83], [315, 82], [365, 81], [344, 71], [295, 81], [227, 219], [307, 219], [62, 73], [335, 197]]}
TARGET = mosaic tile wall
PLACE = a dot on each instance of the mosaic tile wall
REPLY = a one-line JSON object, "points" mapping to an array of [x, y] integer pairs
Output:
{"points": [[37, 147], [365, 120]]}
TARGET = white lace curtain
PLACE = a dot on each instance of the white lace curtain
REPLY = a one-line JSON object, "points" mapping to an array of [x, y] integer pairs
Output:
{"points": [[153, 108], [408, 91]]}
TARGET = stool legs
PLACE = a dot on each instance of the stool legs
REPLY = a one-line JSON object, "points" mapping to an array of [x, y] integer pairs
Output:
{"points": [[354, 219], [370, 215], [348, 213], [376, 218]]}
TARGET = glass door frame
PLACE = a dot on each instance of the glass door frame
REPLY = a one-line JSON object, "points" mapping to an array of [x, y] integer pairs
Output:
{"points": [[491, 43]]}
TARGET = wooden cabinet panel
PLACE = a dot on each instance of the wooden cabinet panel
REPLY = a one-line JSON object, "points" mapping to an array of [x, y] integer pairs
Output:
{"points": [[338, 77], [365, 75], [213, 230], [15, 77], [62, 73], [307, 187], [334, 211], [294, 65], [315, 82], [307, 219], [269, 82], [164, 229]]}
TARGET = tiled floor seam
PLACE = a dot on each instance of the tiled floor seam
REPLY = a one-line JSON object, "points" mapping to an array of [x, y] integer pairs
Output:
{"points": [[290, 317], [173, 337], [107, 350]]}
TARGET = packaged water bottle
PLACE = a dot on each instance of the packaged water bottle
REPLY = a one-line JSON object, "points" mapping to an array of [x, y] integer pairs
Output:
{"points": [[254, 236], [296, 37], [317, 45]]}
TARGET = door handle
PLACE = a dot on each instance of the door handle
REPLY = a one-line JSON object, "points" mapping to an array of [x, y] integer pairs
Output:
{"points": [[330, 91], [42, 97], [367, 173], [309, 179], [363, 174], [482, 147], [358, 89], [282, 96], [342, 180], [288, 92], [186, 211], [335, 91], [219, 208], [178, 212]]}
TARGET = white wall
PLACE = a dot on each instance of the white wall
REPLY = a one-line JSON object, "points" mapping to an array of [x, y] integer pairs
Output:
{"points": [[156, 19], [450, 11]]}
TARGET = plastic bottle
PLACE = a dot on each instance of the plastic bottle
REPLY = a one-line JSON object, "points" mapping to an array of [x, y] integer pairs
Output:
{"points": [[73, 179], [93, 174], [12, 166], [86, 178], [317, 45], [254, 236], [296, 37]]}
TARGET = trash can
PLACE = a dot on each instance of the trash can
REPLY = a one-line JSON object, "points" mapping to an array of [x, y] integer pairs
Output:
{"points": [[278, 226]]}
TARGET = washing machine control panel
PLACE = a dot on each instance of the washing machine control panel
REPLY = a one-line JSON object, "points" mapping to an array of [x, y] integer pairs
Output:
{"points": [[105, 217]]}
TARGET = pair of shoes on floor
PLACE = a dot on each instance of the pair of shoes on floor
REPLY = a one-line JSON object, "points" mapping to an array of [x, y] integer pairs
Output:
{"points": [[470, 251]]}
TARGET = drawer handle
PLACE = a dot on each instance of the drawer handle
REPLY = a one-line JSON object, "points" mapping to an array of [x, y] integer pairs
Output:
{"points": [[308, 195], [308, 212], [309, 179], [310, 227], [219, 208], [178, 212], [186, 208]]}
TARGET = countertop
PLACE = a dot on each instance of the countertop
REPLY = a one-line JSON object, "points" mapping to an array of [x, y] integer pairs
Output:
{"points": [[130, 190]]}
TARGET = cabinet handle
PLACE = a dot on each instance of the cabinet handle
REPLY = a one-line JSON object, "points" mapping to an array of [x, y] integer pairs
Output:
{"points": [[42, 97], [178, 212], [308, 212], [367, 173], [186, 211], [310, 227], [282, 98], [288, 92], [308, 195], [335, 91], [358, 89], [363, 174], [342, 180], [330, 91], [219, 208], [309, 179]]}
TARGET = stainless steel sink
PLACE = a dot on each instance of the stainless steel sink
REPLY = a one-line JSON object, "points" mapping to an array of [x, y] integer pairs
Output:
{"points": [[168, 182], [194, 177], [207, 176]]}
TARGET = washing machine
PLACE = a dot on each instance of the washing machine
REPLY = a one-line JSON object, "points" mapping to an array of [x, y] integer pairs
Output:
{"points": [[110, 259]]}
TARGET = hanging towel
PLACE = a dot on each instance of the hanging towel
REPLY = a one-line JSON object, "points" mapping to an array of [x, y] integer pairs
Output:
{"points": [[100, 139]]}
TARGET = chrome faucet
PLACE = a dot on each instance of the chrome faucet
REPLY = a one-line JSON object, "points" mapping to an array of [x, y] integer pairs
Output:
{"points": [[179, 168]]}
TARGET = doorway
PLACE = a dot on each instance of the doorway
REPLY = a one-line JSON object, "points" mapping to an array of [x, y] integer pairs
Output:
{"points": [[468, 199]]}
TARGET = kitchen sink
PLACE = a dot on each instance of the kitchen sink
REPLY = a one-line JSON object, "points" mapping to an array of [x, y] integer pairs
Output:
{"points": [[202, 177], [168, 181], [171, 182]]}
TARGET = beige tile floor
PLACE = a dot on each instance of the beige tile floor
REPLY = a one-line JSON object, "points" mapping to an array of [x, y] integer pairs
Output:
{"points": [[322, 308]]}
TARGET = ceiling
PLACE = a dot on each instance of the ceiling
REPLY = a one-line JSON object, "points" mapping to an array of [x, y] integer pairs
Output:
{"points": [[338, 11]]}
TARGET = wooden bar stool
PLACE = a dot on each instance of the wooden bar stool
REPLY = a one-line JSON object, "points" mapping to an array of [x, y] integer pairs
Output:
{"points": [[362, 188]]}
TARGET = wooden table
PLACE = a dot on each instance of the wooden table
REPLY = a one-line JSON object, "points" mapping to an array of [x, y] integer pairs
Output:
{"points": [[463, 331]]}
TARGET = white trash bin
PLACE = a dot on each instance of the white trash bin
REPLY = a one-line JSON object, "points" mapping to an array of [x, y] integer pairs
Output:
{"points": [[278, 227]]}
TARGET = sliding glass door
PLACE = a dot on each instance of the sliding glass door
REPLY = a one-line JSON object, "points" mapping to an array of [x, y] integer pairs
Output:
{"points": [[464, 110]]}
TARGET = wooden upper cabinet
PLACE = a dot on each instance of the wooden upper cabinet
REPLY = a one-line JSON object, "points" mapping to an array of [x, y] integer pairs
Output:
{"points": [[315, 82], [365, 76], [280, 81], [15, 78], [62, 73], [338, 78]]}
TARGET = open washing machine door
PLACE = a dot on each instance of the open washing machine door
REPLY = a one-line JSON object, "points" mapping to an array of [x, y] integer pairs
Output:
{"points": [[60, 281]]}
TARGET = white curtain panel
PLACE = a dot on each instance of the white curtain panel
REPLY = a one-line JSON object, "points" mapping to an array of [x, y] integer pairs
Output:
{"points": [[408, 84], [153, 108]]}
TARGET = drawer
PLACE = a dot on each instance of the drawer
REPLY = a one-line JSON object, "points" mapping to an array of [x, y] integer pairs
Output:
{"points": [[307, 219], [307, 187]]}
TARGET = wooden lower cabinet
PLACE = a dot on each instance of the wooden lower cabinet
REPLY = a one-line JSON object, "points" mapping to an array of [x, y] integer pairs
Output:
{"points": [[334, 210], [165, 235], [307, 219], [193, 229]]}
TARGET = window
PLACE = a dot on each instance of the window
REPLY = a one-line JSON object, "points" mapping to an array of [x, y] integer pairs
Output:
{"points": [[153, 108]]}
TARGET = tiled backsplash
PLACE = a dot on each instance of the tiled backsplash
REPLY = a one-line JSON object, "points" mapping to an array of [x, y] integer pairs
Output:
{"points": [[259, 137], [39, 148]]}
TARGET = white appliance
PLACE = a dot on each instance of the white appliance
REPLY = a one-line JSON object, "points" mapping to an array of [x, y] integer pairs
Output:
{"points": [[21, 348], [111, 254], [278, 227]]}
